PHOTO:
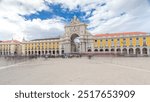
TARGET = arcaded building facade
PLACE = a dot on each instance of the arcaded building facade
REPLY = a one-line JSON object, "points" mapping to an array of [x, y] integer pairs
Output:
{"points": [[77, 39]]}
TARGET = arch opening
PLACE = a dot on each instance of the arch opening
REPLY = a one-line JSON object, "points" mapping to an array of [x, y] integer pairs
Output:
{"points": [[101, 50], [96, 50], [138, 51], [75, 43], [89, 50], [124, 51], [131, 51], [144, 51], [118, 50], [106, 50]]}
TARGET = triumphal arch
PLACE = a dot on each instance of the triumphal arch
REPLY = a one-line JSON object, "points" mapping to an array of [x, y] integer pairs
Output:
{"points": [[76, 38]]}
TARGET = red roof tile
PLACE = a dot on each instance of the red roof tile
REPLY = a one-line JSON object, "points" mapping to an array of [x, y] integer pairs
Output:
{"points": [[119, 34], [11, 41]]}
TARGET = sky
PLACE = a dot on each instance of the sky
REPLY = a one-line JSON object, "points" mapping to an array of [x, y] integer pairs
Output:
{"points": [[35, 19]]}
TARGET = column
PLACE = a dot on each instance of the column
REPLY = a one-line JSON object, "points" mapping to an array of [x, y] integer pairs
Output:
{"points": [[121, 50], [134, 52], [60, 51], [148, 51], [141, 51], [127, 51]]}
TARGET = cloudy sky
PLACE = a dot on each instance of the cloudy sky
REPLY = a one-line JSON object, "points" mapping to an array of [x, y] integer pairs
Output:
{"points": [[33, 19]]}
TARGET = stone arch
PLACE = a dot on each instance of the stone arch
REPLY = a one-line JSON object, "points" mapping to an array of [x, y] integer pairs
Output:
{"points": [[106, 50], [39, 53], [118, 50], [124, 51], [74, 47], [137, 51], [131, 51], [112, 50], [50, 52], [53, 52], [46, 52], [89, 50], [144, 50], [57, 52], [101, 50], [32, 52], [42, 52], [62, 51], [96, 50], [29, 52]]}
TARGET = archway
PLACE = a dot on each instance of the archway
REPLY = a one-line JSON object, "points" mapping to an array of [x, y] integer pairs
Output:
{"points": [[74, 43], [138, 51], [62, 51], [131, 51], [42, 52], [32, 52], [89, 50], [50, 52], [46, 52], [57, 52], [53, 52], [124, 51], [35, 52], [106, 50], [112, 50], [101, 50], [118, 50], [39, 53], [144, 51], [96, 50], [29, 52]]}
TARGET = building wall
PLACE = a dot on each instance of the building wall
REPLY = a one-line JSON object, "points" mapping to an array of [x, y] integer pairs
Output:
{"points": [[9, 49], [106, 44], [40, 48], [56, 47]]}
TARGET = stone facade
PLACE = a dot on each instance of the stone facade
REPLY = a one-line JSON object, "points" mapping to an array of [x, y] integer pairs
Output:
{"points": [[76, 29]]}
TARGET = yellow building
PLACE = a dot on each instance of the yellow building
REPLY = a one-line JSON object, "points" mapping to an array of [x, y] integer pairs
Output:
{"points": [[126, 43], [41, 47], [10, 47], [77, 39]]}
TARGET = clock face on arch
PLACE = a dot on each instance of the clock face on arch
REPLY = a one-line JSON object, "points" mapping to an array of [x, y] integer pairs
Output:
{"points": [[74, 29]]}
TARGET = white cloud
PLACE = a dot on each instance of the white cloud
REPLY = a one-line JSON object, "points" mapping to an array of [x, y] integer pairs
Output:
{"points": [[22, 7], [136, 18], [72, 4], [44, 28], [13, 25], [105, 19]]}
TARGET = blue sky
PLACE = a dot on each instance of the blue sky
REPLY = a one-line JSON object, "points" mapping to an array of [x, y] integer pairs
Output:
{"points": [[58, 10], [32, 19]]}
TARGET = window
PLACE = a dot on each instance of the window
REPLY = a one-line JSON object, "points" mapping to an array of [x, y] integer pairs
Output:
{"points": [[130, 38]]}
